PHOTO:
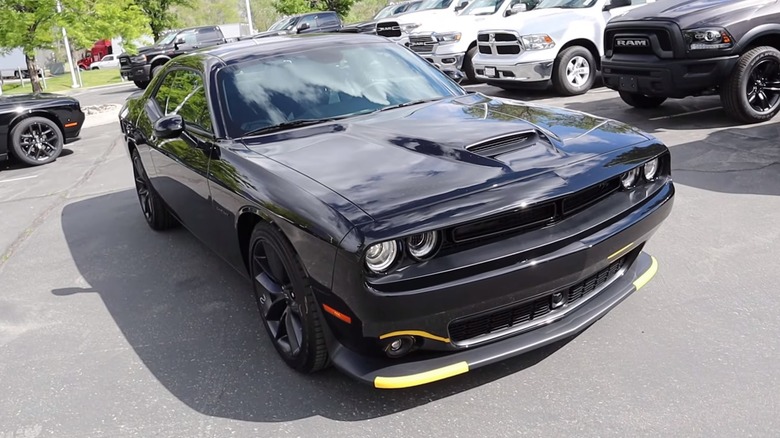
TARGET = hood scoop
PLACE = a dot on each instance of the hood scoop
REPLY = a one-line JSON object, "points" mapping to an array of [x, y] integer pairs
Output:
{"points": [[508, 143]]}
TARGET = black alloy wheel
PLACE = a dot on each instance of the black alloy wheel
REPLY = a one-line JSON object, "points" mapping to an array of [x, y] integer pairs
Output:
{"points": [[36, 141], [286, 301], [752, 92], [155, 212]]}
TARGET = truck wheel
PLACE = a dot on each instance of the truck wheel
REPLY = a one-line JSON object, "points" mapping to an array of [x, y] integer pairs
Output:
{"points": [[468, 65], [574, 71], [155, 71], [141, 84], [640, 100], [752, 93]]}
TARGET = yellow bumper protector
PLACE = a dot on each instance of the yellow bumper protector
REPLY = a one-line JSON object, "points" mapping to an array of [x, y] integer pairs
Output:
{"points": [[647, 276], [421, 378]]}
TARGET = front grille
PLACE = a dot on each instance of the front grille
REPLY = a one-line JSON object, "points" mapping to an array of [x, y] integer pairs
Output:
{"points": [[422, 44], [388, 29], [657, 38], [531, 217], [506, 318], [498, 43]]}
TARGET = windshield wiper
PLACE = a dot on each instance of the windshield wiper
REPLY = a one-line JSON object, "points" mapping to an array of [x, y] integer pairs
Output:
{"points": [[410, 103], [289, 125]]}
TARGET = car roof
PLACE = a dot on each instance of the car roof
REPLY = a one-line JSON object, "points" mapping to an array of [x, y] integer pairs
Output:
{"points": [[238, 51]]}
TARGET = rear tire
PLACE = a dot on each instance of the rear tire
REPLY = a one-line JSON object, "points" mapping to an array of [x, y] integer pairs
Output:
{"points": [[141, 84], [286, 301], [574, 71], [468, 65], [641, 101], [155, 71], [156, 213], [752, 93]]}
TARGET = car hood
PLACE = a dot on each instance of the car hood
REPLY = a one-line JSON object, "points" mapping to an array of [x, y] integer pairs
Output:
{"points": [[401, 159], [693, 13], [33, 100]]}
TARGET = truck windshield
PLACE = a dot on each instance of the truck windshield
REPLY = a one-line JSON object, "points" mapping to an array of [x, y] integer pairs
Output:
{"points": [[321, 84], [284, 23], [566, 4], [167, 39], [435, 4], [483, 7]]}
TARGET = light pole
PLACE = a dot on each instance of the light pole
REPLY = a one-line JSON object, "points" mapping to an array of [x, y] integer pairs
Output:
{"points": [[249, 18], [67, 51]]}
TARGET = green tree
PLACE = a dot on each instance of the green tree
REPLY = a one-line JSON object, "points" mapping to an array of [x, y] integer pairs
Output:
{"points": [[292, 7], [160, 14], [203, 12], [34, 24]]}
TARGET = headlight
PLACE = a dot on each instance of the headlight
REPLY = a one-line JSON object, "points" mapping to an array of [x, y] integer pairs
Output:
{"points": [[651, 169], [423, 245], [537, 42], [708, 39], [380, 256], [448, 38], [140, 59], [407, 28], [629, 179]]}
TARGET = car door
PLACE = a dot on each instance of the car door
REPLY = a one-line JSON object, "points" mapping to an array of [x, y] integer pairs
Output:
{"points": [[181, 163]]}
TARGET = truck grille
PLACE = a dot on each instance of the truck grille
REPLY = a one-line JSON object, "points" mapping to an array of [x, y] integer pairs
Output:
{"points": [[642, 39], [514, 317], [124, 60], [388, 29], [498, 43], [422, 43]]}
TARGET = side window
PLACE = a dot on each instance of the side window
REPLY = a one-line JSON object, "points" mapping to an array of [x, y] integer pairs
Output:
{"points": [[182, 92], [311, 19], [208, 34], [325, 20], [108, 58], [188, 37], [638, 2]]}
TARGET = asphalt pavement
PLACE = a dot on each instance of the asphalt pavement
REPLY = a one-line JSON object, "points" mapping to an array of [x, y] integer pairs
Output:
{"points": [[109, 329]]}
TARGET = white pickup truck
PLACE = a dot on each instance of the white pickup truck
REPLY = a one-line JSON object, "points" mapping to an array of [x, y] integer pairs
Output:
{"points": [[559, 40], [398, 28], [450, 42]]}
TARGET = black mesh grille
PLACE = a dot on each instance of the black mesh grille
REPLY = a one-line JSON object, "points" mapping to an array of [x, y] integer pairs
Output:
{"points": [[508, 317], [661, 35], [589, 196], [508, 50]]}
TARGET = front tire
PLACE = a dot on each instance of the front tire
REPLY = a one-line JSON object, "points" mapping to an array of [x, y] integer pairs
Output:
{"points": [[752, 93], [36, 141], [286, 301], [468, 65], [574, 71], [641, 101], [156, 213]]}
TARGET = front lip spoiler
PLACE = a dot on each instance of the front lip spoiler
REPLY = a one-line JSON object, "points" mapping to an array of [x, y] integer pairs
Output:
{"points": [[386, 375]]}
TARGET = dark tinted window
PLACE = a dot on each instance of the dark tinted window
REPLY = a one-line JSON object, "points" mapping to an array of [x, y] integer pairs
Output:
{"points": [[181, 92], [311, 19], [327, 20], [208, 34], [188, 36]]}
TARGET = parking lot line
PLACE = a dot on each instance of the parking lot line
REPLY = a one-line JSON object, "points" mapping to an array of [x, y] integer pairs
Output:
{"points": [[686, 114], [18, 179]]}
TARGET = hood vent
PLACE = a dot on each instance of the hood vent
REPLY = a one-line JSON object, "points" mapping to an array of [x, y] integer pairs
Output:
{"points": [[506, 143]]}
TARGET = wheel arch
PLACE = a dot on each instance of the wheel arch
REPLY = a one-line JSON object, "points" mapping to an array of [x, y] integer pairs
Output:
{"points": [[158, 60], [763, 35], [587, 44]]}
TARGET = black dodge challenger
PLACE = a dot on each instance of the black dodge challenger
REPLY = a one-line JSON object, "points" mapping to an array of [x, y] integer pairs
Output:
{"points": [[35, 127], [393, 224]]}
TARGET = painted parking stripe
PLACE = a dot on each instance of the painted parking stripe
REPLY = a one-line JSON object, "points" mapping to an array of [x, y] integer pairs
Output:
{"points": [[18, 179], [687, 114]]}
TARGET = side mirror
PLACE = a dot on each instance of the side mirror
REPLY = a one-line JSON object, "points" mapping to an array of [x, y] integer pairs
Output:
{"points": [[455, 75], [179, 40], [303, 26], [170, 126], [516, 9], [612, 4]]}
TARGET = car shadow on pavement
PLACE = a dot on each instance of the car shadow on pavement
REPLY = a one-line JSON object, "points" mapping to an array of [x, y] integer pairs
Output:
{"points": [[743, 160], [192, 320]]}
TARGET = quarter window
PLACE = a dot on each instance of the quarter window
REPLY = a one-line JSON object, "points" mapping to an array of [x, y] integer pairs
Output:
{"points": [[182, 92]]}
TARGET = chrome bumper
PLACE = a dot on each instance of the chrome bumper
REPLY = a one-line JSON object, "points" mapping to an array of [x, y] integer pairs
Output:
{"points": [[530, 72], [452, 60]]}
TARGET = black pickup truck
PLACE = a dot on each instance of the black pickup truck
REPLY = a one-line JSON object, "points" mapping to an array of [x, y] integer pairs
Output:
{"points": [[141, 68], [675, 49]]}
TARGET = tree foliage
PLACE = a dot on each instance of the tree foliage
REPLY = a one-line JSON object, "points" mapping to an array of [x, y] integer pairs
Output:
{"points": [[292, 7], [160, 14], [35, 24], [202, 12]]}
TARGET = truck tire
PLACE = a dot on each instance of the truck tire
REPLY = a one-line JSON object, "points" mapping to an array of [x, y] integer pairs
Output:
{"points": [[574, 71], [749, 94], [141, 84], [155, 71], [468, 65], [640, 100]]}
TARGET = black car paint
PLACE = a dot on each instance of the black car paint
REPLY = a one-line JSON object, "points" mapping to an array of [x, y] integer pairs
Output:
{"points": [[333, 189], [679, 72], [62, 110], [335, 26]]}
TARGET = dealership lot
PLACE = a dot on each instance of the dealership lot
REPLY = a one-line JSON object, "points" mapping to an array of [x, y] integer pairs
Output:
{"points": [[110, 329]]}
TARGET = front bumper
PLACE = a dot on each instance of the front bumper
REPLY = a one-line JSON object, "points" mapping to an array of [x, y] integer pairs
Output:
{"points": [[651, 76], [540, 71], [388, 375], [135, 72], [451, 60]]}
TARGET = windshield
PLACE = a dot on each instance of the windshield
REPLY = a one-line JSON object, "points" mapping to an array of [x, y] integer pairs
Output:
{"points": [[435, 4], [386, 12], [167, 39], [483, 7], [326, 83], [566, 4], [283, 24]]}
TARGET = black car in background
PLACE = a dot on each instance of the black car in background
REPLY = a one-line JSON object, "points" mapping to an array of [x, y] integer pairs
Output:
{"points": [[390, 10], [142, 67], [391, 223], [35, 127], [313, 22]]}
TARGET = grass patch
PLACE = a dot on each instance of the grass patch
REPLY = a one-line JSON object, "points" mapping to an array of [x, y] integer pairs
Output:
{"points": [[54, 84]]}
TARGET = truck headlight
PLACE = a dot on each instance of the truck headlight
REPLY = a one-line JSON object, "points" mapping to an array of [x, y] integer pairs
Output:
{"points": [[381, 256], [448, 38], [140, 59], [537, 42], [708, 39], [409, 27]]}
